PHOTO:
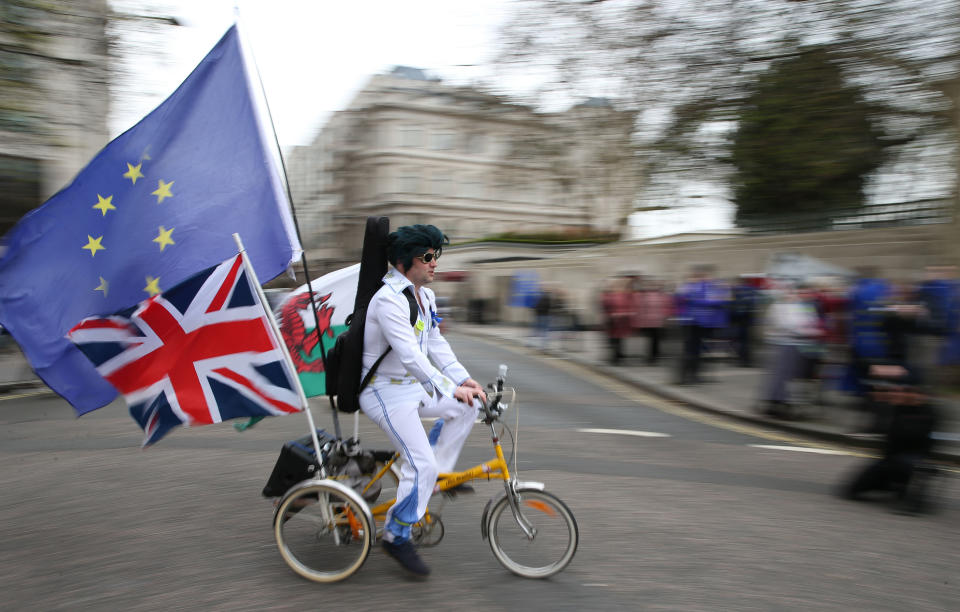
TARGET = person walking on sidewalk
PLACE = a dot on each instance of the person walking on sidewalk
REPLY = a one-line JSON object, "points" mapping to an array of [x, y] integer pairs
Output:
{"points": [[938, 349], [543, 312], [869, 297], [743, 312], [419, 377], [703, 302], [618, 317], [652, 306], [793, 331]]}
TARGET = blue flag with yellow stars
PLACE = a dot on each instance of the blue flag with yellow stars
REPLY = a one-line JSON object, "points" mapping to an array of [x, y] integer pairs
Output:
{"points": [[155, 206]]}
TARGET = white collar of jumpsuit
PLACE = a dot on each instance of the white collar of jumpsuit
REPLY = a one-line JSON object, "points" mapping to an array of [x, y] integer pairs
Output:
{"points": [[396, 281]]}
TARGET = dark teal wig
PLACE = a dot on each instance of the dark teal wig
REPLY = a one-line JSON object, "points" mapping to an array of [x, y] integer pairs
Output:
{"points": [[411, 241]]}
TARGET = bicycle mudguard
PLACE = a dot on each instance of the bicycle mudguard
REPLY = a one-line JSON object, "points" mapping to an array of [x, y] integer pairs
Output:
{"points": [[529, 485], [334, 484]]}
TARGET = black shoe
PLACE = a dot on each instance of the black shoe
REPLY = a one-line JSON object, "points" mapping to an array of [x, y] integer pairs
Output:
{"points": [[406, 555], [461, 489]]}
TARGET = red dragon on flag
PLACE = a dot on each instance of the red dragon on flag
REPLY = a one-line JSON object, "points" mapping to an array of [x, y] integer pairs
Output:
{"points": [[335, 294]]}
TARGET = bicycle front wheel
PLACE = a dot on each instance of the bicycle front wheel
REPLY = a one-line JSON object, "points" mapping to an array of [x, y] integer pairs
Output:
{"points": [[323, 533], [555, 534]]}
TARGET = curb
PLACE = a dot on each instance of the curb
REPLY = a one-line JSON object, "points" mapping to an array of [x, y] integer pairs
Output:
{"points": [[698, 404]]}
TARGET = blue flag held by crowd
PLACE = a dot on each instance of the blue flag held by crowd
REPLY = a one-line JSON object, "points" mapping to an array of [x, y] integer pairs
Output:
{"points": [[156, 205]]}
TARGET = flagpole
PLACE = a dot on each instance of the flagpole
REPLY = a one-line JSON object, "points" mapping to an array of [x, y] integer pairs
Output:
{"points": [[296, 224], [278, 338]]}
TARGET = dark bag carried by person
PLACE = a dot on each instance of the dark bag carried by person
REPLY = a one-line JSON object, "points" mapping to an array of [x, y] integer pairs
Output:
{"points": [[345, 359], [343, 363]]}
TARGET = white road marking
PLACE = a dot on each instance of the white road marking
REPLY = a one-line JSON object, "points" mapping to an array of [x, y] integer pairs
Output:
{"points": [[678, 409], [801, 449], [627, 432], [673, 407]]}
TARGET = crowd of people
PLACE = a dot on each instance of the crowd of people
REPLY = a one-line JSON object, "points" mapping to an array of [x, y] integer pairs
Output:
{"points": [[891, 345], [829, 327]]}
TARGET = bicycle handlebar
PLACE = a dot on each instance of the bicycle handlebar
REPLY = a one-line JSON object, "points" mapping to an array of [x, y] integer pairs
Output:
{"points": [[492, 410]]}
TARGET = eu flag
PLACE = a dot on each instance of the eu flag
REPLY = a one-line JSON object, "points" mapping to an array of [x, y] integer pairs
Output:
{"points": [[155, 206]]}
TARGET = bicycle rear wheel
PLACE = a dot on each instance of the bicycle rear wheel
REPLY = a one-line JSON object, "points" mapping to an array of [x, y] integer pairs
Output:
{"points": [[324, 531], [553, 545]]}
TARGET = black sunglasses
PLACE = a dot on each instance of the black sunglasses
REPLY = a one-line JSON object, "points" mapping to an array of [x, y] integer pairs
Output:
{"points": [[427, 257]]}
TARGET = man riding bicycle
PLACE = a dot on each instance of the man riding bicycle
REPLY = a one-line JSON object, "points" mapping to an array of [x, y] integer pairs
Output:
{"points": [[419, 377]]}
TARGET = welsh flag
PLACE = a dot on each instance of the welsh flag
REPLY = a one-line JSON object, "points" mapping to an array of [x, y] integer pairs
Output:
{"points": [[334, 294]]}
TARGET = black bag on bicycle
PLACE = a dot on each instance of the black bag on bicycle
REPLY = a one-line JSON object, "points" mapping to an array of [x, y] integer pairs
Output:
{"points": [[297, 461]]}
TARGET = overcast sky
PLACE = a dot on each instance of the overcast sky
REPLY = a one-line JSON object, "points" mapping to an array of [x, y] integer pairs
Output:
{"points": [[314, 55]]}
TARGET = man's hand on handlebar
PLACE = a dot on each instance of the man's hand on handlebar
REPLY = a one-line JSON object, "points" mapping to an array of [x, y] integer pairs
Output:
{"points": [[472, 383], [468, 391]]}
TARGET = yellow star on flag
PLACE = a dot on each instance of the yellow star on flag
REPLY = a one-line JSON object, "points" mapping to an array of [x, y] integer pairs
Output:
{"points": [[93, 245], [163, 237], [133, 172], [104, 204], [153, 286], [103, 286], [162, 191]]}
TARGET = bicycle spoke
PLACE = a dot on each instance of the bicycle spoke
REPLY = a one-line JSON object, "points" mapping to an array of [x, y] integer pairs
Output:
{"points": [[325, 539], [553, 540]]}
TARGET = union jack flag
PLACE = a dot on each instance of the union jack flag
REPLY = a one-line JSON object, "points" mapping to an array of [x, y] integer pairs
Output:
{"points": [[199, 353]]}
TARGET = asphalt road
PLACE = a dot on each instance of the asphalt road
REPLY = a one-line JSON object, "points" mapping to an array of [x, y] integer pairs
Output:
{"points": [[677, 511]]}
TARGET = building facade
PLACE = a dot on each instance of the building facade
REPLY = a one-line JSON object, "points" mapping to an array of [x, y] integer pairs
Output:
{"points": [[54, 98], [417, 150]]}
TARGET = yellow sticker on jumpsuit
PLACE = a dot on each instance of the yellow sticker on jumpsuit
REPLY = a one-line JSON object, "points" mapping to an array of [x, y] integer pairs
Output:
{"points": [[419, 326]]}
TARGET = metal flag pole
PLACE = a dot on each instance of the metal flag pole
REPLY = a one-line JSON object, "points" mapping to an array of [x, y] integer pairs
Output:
{"points": [[293, 212], [278, 338]]}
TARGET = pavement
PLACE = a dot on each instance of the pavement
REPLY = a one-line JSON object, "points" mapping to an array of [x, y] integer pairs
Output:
{"points": [[728, 390]]}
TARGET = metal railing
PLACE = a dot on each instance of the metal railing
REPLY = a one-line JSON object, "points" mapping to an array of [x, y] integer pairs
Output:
{"points": [[917, 212]]}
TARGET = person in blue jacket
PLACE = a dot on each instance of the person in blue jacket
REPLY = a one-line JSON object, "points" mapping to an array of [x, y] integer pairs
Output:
{"points": [[939, 293], [869, 297], [703, 305]]}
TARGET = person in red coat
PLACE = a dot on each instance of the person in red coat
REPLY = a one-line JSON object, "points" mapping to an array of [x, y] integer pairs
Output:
{"points": [[652, 306], [617, 306]]}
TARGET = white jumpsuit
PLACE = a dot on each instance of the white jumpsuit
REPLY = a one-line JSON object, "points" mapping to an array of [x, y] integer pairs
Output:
{"points": [[416, 379]]}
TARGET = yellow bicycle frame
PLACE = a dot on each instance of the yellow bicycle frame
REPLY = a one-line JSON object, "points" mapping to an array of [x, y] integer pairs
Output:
{"points": [[495, 469]]}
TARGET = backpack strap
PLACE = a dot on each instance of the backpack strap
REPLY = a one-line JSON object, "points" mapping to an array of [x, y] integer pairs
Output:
{"points": [[414, 315]]}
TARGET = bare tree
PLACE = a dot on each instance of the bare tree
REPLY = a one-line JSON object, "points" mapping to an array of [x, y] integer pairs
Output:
{"points": [[687, 68]]}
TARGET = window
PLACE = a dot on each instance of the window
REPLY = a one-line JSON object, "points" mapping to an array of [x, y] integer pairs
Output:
{"points": [[411, 136], [476, 143], [443, 141], [379, 181], [409, 181], [384, 136], [442, 183], [473, 187]]}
